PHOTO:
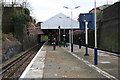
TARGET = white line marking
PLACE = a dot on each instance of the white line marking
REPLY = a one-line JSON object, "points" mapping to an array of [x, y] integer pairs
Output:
{"points": [[102, 51], [94, 67], [28, 67], [104, 62]]}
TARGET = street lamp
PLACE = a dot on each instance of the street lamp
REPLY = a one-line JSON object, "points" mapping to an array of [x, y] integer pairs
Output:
{"points": [[95, 49], [71, 24]]}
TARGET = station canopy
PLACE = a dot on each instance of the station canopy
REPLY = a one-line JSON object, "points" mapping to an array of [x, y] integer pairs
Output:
{"points": [[60, 20]]}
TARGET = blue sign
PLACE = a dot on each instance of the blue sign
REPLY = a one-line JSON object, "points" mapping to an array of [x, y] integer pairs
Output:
{"points": [[89, 17], [82, 25]]}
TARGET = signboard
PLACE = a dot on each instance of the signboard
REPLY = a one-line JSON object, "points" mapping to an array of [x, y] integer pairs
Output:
{"points": [[86, 17], [82, 25]]}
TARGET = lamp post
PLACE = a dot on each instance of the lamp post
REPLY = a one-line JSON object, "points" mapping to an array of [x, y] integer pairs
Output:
{"points": [[64, 35], [95, 49], [71, 24], [59, 42], [86, 33]]}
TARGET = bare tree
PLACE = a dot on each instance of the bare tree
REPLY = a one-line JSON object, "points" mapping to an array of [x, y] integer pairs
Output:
{"points": [[13, 3]]}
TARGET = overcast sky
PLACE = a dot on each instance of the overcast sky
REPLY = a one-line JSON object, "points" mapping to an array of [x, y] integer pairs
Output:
{"points": [[42, 10]]}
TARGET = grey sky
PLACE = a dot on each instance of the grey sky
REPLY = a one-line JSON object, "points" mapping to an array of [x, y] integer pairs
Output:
{"points": [[44, 9]]}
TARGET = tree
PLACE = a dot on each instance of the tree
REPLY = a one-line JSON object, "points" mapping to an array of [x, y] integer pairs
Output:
{"points": [[26, 11], [19, 22]]}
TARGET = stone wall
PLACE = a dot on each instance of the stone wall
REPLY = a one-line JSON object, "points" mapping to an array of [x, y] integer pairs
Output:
{"points": [[12, 48], [109, 29], [0, 31], [7, 16]]}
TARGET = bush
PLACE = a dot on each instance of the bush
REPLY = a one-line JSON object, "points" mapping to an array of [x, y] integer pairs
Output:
{"points": [[19, 22], [26, 11], [8, 36]]}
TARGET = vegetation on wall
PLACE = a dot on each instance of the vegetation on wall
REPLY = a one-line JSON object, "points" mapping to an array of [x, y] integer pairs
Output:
{"points": [[8, 36], [19, 21], [26, 11]]}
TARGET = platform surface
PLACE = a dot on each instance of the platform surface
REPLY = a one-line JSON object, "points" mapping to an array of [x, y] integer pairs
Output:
{"points": [[61, 63]]}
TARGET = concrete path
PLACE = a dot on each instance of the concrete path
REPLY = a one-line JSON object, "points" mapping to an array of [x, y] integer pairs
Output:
{"points": [[62, 64]]}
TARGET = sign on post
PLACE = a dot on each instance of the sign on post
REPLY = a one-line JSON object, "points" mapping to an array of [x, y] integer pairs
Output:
{"points": [[86, 21], [89, 17]]}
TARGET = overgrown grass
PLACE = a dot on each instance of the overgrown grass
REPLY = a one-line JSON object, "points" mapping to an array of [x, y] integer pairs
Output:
{"points": [[8, 36]]}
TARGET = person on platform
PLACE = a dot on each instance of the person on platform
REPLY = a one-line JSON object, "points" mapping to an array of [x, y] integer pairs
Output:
{"points": [[54, 43], [79, 41]]}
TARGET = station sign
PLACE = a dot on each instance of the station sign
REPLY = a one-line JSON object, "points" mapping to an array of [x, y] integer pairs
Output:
{"points": [[86, 17]]}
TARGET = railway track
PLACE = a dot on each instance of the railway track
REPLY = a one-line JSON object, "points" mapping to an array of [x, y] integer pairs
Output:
{"points": [[14, 69]]}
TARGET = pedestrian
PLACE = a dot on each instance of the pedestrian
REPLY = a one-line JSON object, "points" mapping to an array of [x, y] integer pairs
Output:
{"points": [[64, 42], [54, 43], [79, 41]]}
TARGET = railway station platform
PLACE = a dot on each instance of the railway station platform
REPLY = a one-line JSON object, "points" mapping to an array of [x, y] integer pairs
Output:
{"points": [[61, 64]]}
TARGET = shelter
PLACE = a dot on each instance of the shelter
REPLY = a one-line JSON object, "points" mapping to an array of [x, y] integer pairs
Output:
{"points": [[60, 20]]}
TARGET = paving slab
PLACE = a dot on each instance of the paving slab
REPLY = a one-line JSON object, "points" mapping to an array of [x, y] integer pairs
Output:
{"points": [[62, 64]]}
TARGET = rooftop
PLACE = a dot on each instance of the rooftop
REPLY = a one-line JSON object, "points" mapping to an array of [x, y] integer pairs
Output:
{"points": [[60, 20]]}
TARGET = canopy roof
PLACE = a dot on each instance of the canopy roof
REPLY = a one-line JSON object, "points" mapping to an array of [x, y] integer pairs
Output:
{"points": [[60, 20]]}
